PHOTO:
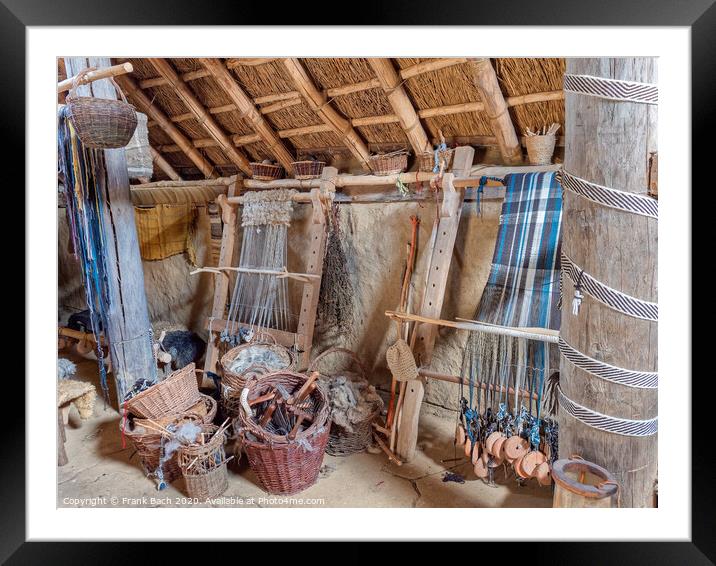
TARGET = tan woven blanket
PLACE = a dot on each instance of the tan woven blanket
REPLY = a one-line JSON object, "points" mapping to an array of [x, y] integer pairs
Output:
{"points": [[165, 230]]}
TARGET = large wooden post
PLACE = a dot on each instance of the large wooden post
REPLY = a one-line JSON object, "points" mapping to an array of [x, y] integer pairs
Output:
{"points": [[609, 143], [127, 326]]}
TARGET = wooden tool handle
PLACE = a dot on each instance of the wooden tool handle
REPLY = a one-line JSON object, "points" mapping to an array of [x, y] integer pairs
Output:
{"points": [[294, 430], [305, 390], [266, 397], [268, 413]]}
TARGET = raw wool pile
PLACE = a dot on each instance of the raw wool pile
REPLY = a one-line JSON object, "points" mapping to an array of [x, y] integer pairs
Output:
{"points": [[259, 356], [65, 368], [80, 393], [272, 207], [351, 397]]}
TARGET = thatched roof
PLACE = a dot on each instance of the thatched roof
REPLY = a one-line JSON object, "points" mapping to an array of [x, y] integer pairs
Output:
{"points": [[265, 79]]}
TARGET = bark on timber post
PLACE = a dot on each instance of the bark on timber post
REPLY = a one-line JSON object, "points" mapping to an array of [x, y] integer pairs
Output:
{"points": [[609, 143], [128, 318], [485, 80]]}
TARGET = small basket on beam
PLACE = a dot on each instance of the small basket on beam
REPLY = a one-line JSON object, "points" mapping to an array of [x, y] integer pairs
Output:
{"points": [[389, 163], [426, 161], [308, 169], [266, 171]]}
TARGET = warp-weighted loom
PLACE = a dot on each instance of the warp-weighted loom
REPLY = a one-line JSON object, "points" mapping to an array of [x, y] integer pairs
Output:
{"points": [[258, 301]]}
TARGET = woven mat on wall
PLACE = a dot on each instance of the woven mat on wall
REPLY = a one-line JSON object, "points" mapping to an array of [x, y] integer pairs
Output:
{"points": [[165, 230]]}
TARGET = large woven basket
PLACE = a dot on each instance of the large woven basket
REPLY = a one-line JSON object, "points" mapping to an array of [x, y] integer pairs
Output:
{"points": [[175, 394], [342, 441], [266, 171], [388, 163], [540, 149], [308, 169], [426, 161], [148, 444], [232, 383], [284, 466], [101, 123], [203, 465]]}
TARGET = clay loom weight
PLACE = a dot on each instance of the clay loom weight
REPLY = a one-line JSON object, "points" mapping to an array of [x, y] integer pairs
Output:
{"points": [[580, 484]]}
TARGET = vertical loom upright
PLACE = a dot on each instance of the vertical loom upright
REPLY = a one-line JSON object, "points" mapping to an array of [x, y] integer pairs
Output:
{"points": [[302, 338]]}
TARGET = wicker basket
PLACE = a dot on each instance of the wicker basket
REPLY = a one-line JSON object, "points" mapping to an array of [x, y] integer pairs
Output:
{"points": [[232, 383], [342, 441], [148, 444], [283, 466], [175, 394], [308, 169], [101, 123], [204, 465], [389, 163], [266, 171], [540, 149], [426, 161]]}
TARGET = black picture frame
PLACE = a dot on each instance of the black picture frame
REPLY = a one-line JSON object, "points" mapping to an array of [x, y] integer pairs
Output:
{"points": [[699, 15]]}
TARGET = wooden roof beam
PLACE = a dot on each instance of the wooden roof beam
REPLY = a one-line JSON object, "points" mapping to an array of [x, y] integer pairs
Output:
{"points": [[163, 164], [186, 77], [485, 79], [165, 69], [249, 112], [429, 66], [318, 101], [401, 104], [153, 112]]}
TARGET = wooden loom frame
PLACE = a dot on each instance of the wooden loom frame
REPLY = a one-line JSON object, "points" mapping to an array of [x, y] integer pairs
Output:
{"points": [[302, 339]]}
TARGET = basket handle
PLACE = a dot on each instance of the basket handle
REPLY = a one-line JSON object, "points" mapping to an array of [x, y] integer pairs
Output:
{"points": [[79, 76], [349, 353], [258, 335]]}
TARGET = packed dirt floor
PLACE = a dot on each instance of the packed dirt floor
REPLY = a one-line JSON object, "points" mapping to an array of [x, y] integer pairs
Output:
{"points": [[101, 473]]}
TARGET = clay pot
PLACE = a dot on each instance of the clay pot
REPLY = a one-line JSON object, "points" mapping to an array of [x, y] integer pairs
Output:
{"points": [[514, 447], [460, 435], [543, 475], [490, 441], [531, 460], [476, 450]]}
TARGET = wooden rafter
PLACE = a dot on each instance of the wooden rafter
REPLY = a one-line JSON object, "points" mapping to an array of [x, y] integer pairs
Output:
{"points": [[165, 69], [400, 102], [318, 102], [485, 79], [153, 112], [249, 112], [163, 164]]}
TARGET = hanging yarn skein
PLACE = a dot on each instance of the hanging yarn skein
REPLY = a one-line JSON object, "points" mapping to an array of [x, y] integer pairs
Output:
{"points": [[85, 188], [261, 300]]}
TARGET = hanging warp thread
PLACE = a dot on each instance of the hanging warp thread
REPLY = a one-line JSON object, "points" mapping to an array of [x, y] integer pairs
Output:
{"points": [[85, 186], [335, 303], [261, 300], [522, 291]]}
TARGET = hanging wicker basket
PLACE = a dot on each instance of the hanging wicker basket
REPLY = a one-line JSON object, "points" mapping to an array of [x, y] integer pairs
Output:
{"points": [[175, 394], [342, 441], [426, 161], [101, 123], [308, 169], [284, 466], [540, 149], [389, 163], [266, 171]]}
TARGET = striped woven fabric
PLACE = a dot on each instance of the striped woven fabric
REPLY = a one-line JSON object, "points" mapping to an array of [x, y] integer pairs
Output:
{"points": [[613, 198], [625, 427], [612, 89], [608, 372], [523, 286], [614, 299]]}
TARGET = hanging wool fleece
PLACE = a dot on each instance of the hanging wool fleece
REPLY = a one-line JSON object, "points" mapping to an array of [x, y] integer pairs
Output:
{"points": [[85, 183], [522, 291]]}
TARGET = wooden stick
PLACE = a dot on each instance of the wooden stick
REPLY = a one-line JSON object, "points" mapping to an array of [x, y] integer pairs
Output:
{"points": [[387, 451], [113, 71], [164, 165], [483, 386], [542, 334], [304, 277]]}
